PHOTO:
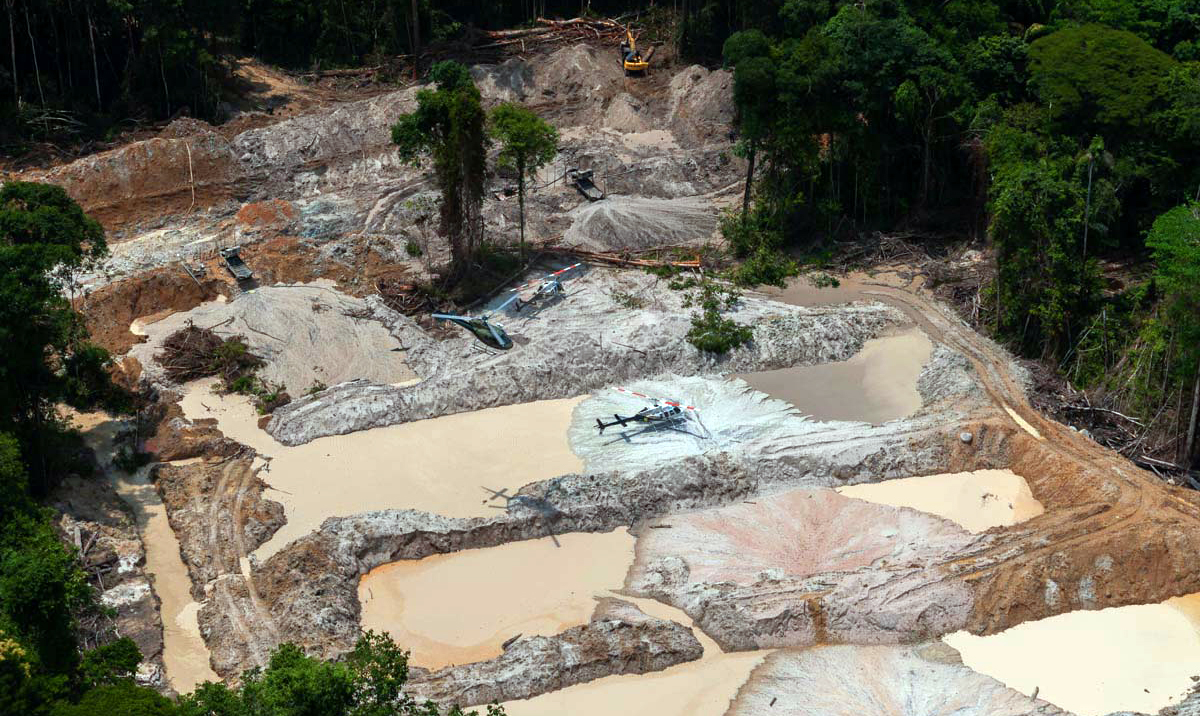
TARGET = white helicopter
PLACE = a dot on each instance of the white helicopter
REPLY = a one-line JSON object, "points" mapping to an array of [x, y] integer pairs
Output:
{"points": [[661, 413], [548, 287]]}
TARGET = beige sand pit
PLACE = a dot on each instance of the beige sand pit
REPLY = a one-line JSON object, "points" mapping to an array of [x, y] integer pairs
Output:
{"points": [[977, 500], [1139, 658], [440, 465], [460, 608], [877, 384], [704, 687], [185, 656]]}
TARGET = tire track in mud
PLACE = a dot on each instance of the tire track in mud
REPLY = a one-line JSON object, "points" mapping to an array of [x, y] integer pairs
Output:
{"points": [[234, 601], [1125, 519]]}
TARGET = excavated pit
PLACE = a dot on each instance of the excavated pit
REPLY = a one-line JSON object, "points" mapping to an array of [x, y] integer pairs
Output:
{"points": [[450, 465], [702, 687], [277, 529], [977, 501], [875, 385]]}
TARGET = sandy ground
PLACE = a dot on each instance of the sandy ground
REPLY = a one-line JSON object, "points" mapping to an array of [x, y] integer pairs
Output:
{"points": [[442, 465], [307, 334], [878, 384], [185, 656], [704, 687], [976, 500], [918, 680], [1138, 658], [460, 608]]}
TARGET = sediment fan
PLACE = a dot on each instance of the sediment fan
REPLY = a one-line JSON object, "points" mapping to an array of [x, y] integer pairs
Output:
{"points": [[664, 401]]}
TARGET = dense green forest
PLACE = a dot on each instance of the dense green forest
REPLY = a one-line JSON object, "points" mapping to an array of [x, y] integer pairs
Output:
{"points": [[1065, 133], [85, 68]]}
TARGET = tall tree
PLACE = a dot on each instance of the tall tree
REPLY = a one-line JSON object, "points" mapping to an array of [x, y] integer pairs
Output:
{"points": [[527, 143], [449, 126], [748, 53], [43, 233], [1175, 241]]}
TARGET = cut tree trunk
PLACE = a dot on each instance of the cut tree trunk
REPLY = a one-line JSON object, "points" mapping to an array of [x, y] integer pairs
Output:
{"points": [[749, 182], [1189, 450]]}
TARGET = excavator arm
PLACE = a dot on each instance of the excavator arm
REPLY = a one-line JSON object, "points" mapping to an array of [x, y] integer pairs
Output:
{"points": [[631, 59]]}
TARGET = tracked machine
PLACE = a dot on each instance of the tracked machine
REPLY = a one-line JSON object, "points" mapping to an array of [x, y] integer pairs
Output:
{"points": [[631, 58]]}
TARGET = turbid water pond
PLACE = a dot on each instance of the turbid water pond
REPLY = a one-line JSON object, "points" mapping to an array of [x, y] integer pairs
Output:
{"points": [[1139, 658], [441, 465], [704, 687], [461, 607], [877, 384], [976, 500]]}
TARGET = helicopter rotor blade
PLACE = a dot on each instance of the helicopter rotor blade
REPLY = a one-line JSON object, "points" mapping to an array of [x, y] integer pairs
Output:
{"points": [[643, 396], [501, 307], [548, 276]]}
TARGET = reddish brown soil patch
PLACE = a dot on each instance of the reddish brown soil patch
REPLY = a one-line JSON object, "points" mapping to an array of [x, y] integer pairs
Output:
{"points": [[290, 259], [266, 214], [108, 311]]}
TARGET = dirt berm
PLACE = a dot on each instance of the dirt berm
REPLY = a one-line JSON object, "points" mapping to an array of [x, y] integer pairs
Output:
{"points": [[619, 639]]}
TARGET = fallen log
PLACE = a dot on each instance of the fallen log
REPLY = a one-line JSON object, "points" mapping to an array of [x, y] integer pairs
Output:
{"points": [[619, 260]]}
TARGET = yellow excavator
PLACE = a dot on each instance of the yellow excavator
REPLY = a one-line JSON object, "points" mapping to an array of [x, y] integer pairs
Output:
{"points": [[631, 58]]}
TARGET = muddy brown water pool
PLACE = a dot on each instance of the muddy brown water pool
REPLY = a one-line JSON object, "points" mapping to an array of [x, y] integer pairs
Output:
{"points": [[705, 687], [441, 465], [976, 500], [1138, 658], [877, 384], [460, 608], [453, 608]]}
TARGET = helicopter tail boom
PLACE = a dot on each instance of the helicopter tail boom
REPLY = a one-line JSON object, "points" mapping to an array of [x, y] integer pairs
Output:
{"points": [[618, 421]]}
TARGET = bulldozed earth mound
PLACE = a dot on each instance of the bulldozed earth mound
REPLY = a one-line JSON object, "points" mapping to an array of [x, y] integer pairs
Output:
{"points": [[625, 223], [310, 335]]}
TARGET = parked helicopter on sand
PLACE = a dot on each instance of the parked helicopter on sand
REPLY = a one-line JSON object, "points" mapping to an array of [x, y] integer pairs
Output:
{"points": [[661, 413], [548, 287], [491, 333]]}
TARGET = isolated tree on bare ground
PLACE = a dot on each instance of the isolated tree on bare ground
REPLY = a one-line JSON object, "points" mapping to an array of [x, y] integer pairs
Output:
{"points": [[527, 143], [449, 126]]}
